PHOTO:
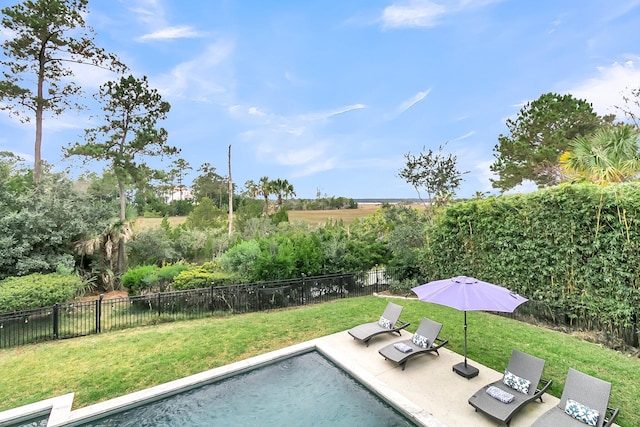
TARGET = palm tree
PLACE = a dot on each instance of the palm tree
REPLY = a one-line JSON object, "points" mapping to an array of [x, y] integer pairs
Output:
{"points": [[607, 156], [265, 187], [283, 189]]}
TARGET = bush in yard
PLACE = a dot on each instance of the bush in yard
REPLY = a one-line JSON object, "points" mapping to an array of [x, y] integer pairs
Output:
{"points": [[134, 278], [151, 246], [241, 258], [151, 278], [203, 276], [38, 290]]}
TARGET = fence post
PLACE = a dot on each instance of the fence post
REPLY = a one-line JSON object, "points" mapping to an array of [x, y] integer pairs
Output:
{"points": [[159, 305], [56, 327], [211, 295], [375, 271], [99, 314], [304, 297]]}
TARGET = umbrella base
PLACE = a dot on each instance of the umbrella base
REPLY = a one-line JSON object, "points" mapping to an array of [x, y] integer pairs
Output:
{"points": [[466, 371]]}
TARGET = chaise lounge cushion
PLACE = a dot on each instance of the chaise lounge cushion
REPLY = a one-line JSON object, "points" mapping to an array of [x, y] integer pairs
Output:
{"points": [[385, 323], [420, 341], [515, 382], [581, 412]]}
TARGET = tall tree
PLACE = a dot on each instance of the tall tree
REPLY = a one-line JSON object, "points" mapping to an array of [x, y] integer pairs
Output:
{"points": [[179, 172], [283, 189], [265, 189], [39, 225], [538, 136], [631, 107], [436, 173], [210, 184], [230, 190], [48, 36], [607, 156], [129, 135]]}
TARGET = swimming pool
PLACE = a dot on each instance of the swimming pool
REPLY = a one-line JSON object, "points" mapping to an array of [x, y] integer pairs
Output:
{"points": [[305, 390]]}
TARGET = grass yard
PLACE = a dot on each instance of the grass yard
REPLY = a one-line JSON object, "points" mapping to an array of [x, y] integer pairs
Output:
{"points": [[105, 366]]}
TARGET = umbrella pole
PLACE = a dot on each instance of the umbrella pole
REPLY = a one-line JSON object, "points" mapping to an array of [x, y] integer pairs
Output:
{"points": [[465, 339], [463, 369]]}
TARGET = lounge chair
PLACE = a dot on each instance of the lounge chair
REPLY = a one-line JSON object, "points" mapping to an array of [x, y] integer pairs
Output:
{"points": [[491, 399], [586, 391], [424, 341], [388, 322]]}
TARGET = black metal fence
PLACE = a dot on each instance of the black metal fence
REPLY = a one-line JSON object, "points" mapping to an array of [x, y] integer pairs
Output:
{"points": [[75, 319]]}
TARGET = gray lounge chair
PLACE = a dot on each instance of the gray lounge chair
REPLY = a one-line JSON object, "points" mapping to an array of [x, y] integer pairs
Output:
{"points": [[586, 390], [427, 329], [367, 331], [524, 366]]}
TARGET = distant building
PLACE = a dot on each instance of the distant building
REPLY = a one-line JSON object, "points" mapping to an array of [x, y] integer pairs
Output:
{"points": [[179, 192]]}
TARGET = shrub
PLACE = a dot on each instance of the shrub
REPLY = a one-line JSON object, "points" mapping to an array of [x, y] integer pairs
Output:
{"points": [[241, 259], [137, 279], [402, 287], [151, 246], [150, 278], [38, 290], [202, 277]]}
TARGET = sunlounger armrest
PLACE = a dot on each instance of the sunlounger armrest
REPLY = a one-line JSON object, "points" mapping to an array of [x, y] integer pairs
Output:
{"points": [[438, 343], [613, 414], [541, 390], [400, 325]]}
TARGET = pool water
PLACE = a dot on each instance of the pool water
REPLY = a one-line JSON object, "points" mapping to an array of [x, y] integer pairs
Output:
{"points": [[303, 390]]}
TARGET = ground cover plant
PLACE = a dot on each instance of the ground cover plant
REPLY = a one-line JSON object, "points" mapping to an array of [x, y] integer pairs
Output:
{"points": [[105, 366]]}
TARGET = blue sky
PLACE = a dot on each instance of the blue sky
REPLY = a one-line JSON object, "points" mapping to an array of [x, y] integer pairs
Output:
{"points": [[331, 95]]}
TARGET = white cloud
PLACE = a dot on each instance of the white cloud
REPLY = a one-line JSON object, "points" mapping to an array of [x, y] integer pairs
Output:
{"points": [[327, 114], [296, 131], [484, 175], [413, 14], [321, 165], [254, 111], [605, 91], [297, 142], [465, 136], [412, 101], [300, 156], [426, 13], [182, 32], [201, 77]]}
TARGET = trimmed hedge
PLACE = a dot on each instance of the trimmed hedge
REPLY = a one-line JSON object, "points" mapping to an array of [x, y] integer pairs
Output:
{"points": [[573, 250], [38, 290]]}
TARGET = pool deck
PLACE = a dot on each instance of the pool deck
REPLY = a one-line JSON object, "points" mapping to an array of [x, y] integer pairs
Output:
{"points": [[427, 390], [428, 381]]}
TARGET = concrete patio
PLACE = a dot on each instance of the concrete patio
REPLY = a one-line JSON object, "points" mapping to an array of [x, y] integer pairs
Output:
{"points": [[428, 381]]}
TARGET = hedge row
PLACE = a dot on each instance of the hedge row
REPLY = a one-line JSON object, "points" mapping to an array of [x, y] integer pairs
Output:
{"points": [[38, 290], [572, 249]]}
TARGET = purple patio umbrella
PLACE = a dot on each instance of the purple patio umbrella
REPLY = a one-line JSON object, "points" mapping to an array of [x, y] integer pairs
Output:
{"points": [[466, 293]]}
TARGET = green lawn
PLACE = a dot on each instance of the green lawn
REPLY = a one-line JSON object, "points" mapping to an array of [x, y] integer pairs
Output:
{"points": [[104, 366]]}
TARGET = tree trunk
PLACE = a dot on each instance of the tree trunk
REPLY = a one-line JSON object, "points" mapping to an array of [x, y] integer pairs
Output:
{"points": [[230, 196], [37, 152], [123, 210]]}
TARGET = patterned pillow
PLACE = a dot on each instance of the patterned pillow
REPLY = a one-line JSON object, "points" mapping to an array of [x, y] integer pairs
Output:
{"points": [[385, 323], [516, 383], [581, 413], [420, 341]]}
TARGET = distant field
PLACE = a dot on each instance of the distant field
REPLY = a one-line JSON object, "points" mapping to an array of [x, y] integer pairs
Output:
{"points": [[321, 217], [143, 223], [314, 217]]}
